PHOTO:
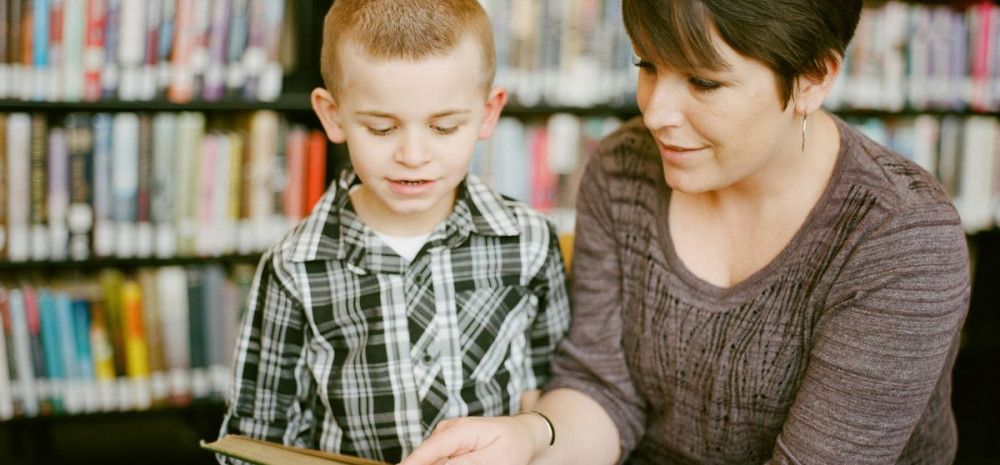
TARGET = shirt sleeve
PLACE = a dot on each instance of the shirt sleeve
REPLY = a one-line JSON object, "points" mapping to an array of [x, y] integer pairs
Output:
{"points": [[552, 318], [272, 388], [591, 359], [883, 347]]}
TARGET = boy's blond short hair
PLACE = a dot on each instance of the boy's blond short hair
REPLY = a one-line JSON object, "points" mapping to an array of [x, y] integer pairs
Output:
{"points": [[404, 29]]}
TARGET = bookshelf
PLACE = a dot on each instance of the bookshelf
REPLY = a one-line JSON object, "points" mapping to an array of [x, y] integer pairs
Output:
{"points": [[566, 120]]}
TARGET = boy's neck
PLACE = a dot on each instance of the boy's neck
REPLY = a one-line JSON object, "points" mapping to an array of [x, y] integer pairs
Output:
{"points": [[377, 216]]}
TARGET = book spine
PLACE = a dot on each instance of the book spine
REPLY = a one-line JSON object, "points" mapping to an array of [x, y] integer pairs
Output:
{"points": [[316, 173], [131, 48], [6, 390], [200, 384], [84, 357], [295, 190], [73, 394], [27, 54], [233, 209], [147, 87], [22, 354], [125, 182], [162, 189], [74, 38], [218, 33], [154, 335], [39, 48], [57, 196], [164, 48], [52, 74], [181, 75], [3, 182], [18, 186], [102, 352], [39, 219], [237, 42], [10, 359], [110, 72], [54, 369], [33, 315], [136, 348], [93, 51], [80, 217], [104, 226], [6, 80], [144, 237], [173, 302]]}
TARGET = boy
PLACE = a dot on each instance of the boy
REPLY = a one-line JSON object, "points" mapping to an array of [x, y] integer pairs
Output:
{"points": [[412, 293]]}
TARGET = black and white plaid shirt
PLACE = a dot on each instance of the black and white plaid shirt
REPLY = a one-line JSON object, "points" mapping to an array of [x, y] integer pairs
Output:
{"points": [[346, 347]]}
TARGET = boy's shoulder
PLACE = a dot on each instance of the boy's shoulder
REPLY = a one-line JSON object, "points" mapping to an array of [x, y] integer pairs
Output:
{"points": [[493, 213]]}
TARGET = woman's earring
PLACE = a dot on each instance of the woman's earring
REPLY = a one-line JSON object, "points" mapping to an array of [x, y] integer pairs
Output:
{"points": [[805, 119]]}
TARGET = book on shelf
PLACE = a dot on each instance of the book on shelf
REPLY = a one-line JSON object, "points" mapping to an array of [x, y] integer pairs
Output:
{"points": [[156, 337], [268, 453], [138, 50]]}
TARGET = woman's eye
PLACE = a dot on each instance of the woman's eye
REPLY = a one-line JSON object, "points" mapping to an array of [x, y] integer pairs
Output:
{"points": [[443, 130], [642, 64], [703, 84], [379, 131]]}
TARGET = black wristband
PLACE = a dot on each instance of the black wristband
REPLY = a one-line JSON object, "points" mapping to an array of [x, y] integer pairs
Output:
{"points": [[552, 429]]}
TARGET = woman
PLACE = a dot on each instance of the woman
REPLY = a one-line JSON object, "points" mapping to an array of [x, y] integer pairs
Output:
{"points": [[754, 281]]}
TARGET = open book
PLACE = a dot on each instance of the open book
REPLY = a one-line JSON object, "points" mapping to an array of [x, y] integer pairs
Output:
{"points": [[269, 453]]}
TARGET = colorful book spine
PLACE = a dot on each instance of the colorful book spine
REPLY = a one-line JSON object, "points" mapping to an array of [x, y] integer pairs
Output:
{"points": [[93, 50], [39, 49], [214, 83], [3, 183], [6, 389], [164, 47], [316, 172], [125, 182], [181, 75], [74, 39], [6, 80], [86, 382], [296, 159], [104, 200], [39, 218], [110, 72], [51, 344], [102, 352], [42, 385], [52, 74], [136, 348], [10, 353], [28, 401], [151, 33], [144, 226], [80, 217], [57, 195], [162, 189]]}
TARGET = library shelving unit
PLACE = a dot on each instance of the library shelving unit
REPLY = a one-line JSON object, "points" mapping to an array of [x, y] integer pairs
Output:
{"points": [[168, 431]]}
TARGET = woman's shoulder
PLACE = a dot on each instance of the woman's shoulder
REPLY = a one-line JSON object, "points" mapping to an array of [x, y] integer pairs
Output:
{"points": [[898, 187]]}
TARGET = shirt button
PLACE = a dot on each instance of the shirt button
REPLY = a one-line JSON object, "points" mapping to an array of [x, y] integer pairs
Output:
{"points": [[427, 358]]}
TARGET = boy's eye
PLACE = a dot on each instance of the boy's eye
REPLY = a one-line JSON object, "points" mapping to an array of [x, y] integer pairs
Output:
{"points": [[444, 130], [703, 84], [379, 131]]}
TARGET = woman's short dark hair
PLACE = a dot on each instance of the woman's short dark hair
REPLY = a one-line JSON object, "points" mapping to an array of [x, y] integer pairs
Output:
{"points": [[792, 37]]}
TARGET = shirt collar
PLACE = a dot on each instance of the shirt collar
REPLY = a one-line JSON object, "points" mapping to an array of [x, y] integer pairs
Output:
{"points": [[333, 231]]}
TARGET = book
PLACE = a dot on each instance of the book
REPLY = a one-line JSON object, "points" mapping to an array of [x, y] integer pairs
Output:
{"points": [[269, 453]]}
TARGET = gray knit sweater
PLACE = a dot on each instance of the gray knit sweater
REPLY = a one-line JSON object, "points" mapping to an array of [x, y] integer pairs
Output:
{"points": [[837, 352]]}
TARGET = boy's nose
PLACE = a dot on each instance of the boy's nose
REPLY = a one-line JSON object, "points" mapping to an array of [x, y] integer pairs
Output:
{"points": [[412, 152]]}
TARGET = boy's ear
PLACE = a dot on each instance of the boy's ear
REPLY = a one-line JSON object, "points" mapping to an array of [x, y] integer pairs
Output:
{"points": [[494, 105], [328, 112]]}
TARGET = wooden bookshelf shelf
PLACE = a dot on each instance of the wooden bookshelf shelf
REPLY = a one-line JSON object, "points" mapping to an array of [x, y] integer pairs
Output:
{"points": [[127, 262], [212, 407]]}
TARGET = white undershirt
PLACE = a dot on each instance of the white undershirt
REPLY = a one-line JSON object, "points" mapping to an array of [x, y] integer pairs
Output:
{"points": [[406, 246]]}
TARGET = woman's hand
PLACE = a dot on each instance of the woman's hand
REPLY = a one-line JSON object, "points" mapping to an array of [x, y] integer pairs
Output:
{"points": [[510, 440]]}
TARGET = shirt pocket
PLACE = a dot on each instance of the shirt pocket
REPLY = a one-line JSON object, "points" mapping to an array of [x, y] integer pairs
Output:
{"points": [[491, 325]]}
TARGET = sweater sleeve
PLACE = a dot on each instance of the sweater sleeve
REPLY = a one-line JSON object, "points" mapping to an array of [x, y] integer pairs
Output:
{"points": [[882, 347], [591, 359]]}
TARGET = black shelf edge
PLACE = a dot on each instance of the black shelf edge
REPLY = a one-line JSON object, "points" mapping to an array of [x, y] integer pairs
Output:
{"points": [[300, 102], [287, 102], [208, 406], [128, 262]]}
